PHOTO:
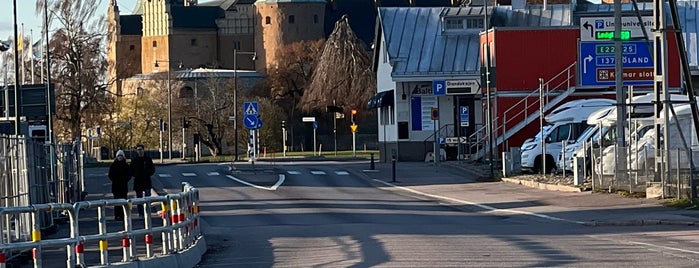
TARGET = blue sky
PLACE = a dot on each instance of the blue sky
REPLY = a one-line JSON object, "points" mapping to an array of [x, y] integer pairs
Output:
{"points": [[26, 15]]}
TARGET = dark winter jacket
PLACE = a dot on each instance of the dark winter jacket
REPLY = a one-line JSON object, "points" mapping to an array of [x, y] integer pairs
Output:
{"points": [[142, 169], [120, 175]]}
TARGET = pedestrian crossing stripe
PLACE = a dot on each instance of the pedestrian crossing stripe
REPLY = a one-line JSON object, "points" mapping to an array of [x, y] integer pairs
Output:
{"points": [[318, 172], [344, 173], [213, 173], [293, 172], [165, 175], [189, 174]]}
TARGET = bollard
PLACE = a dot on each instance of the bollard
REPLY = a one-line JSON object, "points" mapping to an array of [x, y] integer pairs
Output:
{"points": [[393, 168], [372, 161]]}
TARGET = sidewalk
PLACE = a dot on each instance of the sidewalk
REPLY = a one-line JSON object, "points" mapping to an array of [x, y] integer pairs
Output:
{"points": [[457, 183]]}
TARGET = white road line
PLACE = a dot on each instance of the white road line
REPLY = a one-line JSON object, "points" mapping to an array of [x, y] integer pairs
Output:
{"points": [[486, 207], [213, 173], [165, 175], [273, 188], [344, 173], [293, 172], [317, 172], [189, 174]]}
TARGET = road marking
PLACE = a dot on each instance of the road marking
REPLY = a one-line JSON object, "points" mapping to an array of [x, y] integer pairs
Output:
{"points": [[344, 173], [213, 173], [165, 175], [273, 188], [293, 172], [317, 172], [189, 174], [486, 207]]}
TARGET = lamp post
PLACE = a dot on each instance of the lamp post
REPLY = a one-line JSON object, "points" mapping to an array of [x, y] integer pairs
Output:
{"points": [[235, 93], [169, 108]]}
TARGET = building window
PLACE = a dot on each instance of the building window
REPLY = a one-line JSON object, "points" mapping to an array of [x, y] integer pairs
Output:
{"points": [[155, 43], [193, 42], [132, 47], [474, 23], [454, 24], [268, 20], [292, 19], [315, 18], [139, 92]]}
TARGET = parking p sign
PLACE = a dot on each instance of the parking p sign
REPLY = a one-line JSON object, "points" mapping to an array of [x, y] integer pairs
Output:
{"points": [[439, 87], [464, 116]]}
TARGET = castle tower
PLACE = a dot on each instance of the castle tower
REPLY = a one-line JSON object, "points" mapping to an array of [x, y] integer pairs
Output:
{"points": [[155, 43], [281, 22], [123, 46]]}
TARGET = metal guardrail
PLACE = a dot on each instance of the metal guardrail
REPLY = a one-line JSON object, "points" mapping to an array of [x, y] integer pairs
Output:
{"points": [[179, 228]]}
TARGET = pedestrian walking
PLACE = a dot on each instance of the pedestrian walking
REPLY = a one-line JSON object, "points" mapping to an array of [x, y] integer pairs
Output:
{"points": [[120, 176], [142, 169]]}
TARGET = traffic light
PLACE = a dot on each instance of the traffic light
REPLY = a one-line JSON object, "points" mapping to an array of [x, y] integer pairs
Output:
{"points": [[283, 124], [161, 125], [354, 112], [186, 123]]}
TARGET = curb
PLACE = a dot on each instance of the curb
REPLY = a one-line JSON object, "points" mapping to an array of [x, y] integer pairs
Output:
{"points": [[544, 186], [639, 223]]}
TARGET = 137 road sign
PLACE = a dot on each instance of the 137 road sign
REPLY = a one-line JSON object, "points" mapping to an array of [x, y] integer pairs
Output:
{"points": [[597, 63]]}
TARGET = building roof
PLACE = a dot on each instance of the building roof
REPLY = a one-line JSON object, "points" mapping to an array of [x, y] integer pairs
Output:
{"points": [[196, 17], [131, 24], [416, 46], [533, 16], [200, 73]]}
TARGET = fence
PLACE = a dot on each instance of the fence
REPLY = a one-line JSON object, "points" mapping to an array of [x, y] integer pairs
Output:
{"points": [[26, 179], [178, 230], [635, 169]]}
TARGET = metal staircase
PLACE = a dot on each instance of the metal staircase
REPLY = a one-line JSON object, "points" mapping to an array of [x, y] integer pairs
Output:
{"points": [[524, 112]]}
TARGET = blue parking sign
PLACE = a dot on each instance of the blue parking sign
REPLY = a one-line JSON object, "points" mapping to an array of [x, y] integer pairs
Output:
{"points": [[463, 112]]}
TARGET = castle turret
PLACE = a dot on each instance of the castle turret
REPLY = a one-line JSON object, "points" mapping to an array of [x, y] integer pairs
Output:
{"points": [[281, 22]]}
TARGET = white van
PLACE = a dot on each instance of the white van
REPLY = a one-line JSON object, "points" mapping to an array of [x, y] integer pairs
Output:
{"points": [[566, 123]]}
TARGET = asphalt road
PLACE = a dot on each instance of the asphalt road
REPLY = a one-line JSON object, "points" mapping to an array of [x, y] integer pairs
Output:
{"points": [[330, 215]]}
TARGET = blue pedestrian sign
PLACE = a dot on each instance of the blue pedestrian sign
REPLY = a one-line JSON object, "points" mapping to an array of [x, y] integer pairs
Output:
{"points": [[597, 63], [464, 116], [251, 108], [250, 121], [439, 88]]}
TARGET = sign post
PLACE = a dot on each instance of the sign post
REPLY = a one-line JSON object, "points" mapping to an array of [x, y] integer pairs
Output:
{"points": [[435, 116]]}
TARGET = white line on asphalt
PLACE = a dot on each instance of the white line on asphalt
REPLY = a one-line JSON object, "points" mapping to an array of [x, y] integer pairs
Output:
{"points": [[165, 175], [273, 188], [213, 173], [293, 172], [189, 174], [317, 172], [486, 207], [342, 173]]}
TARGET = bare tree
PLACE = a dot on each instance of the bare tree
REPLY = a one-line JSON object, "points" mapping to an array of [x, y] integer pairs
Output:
{"points": [[292, 75], [214, 103], [343, 76], [78, 64]]}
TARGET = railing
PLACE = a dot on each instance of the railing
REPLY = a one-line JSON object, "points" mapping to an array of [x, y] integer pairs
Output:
{"points": [[179, 228], [443, 131], [525, 111]]}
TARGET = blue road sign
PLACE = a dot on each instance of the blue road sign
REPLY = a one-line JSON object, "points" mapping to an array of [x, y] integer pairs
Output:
{"points": [[251, 107], [439, 87], [464, 116], [442, 140], [259, 123], [250, 121], [315, 124], [597, 63]]}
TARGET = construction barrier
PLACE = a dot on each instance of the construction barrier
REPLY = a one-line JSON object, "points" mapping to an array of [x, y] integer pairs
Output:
{"points": [[178, 227]]}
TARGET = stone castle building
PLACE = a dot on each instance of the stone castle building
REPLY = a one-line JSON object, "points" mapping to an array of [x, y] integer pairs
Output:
{"points": [[190, 34]]}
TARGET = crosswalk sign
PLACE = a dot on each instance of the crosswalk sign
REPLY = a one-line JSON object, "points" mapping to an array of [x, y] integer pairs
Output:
{"points": [[250, 108]]}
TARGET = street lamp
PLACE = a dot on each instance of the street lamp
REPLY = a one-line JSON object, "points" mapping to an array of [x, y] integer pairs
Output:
{"points": [[169, 108], [235, 92]]}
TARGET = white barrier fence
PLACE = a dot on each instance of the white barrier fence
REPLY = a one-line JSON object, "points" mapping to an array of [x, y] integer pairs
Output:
{"points": [[178, 228]]}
